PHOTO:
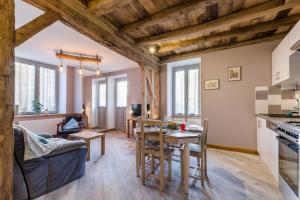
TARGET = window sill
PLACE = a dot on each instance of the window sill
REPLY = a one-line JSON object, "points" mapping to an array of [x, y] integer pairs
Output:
{"points": [[37, 117]]}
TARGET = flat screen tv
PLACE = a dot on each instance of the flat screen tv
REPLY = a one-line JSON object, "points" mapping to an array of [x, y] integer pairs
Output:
{"points": [[137, 109]]}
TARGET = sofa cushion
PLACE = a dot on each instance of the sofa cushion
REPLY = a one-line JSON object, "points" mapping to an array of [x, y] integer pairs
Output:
{"points": [[71, 124]]}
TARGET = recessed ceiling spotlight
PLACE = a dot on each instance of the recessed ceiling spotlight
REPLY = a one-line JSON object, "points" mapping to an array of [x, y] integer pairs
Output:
{"points": [[152, 49]]}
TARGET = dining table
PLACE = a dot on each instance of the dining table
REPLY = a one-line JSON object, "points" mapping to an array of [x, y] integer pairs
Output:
{"points": [[170, 137]]}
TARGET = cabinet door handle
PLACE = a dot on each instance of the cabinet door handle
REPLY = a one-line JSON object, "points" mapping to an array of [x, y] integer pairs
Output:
{"points": [[277, 74]]}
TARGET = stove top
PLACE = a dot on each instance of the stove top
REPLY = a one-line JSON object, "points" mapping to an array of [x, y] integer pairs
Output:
{"points": [[290, 130]]}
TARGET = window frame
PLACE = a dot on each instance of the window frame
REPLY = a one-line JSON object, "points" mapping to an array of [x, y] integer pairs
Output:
{"points": [[37, 66], [186, 68]]}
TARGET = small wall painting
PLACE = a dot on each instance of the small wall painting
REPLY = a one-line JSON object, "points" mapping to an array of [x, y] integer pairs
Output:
{"points": [[212, 84], [235, 73]]}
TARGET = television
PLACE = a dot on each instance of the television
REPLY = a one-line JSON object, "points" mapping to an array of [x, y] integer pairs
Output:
{"points": [[137, 109]]}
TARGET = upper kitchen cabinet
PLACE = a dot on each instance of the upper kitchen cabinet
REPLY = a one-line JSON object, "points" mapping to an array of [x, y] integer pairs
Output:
{"points": [[284, 70], [294, 39]]}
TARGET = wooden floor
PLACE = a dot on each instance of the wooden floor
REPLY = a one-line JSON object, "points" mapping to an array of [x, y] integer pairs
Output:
{"points": [[232, 176]]}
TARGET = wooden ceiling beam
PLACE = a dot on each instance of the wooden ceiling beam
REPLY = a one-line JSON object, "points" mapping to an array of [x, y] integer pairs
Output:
{"points": [[200, 52], [76, 15], [35, 26], [259, 28], [164, 14], [103, 7], [273, 6]]}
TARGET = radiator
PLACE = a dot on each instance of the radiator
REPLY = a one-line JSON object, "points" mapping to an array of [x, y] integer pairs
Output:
{"points": [[42, 126]]}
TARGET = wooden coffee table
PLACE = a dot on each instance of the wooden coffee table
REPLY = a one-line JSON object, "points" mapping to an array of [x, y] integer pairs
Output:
{"points": [[87, 136]]}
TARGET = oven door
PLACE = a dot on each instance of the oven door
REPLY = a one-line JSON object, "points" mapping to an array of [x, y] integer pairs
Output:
{"points": [[288, 163]]}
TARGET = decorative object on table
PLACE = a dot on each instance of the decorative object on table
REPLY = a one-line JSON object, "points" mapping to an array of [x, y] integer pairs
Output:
{"points": [[46, 111], [37, 107], [182, 126], [172, 125], [235, 73], [212, 84]]}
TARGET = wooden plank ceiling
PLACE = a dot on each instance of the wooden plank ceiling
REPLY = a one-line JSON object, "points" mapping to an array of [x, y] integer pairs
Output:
{"points": [[180, 29]]}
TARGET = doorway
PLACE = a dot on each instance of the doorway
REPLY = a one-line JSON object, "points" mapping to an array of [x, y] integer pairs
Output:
{"points": [[102, 86], [120, 103]]}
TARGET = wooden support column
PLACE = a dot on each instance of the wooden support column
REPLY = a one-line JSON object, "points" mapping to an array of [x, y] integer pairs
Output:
{"points": [[150, 91], [7, 41]]}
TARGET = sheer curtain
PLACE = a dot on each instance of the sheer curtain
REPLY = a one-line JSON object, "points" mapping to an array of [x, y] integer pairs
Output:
{"points": [[122, 93], [24, 86], [102, 95], [47, 92]]}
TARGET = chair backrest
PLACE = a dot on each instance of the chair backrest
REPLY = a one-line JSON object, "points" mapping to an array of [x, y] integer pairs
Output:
{"points": [[156, 131], [203, 141]]}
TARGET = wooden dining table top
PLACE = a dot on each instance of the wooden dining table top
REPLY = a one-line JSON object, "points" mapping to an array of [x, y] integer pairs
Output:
{"points": [[172, 136]]}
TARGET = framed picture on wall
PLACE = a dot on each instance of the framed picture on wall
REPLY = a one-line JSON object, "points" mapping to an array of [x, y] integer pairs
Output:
{"points": [[212, 84], [235, 73]]}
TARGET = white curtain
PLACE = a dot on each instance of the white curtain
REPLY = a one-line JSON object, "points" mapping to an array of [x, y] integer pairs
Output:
{"points": [[24, 86], [121, 93], [47, 88]]}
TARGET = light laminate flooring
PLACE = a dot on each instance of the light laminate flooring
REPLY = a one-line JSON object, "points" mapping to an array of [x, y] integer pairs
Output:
{"points": [[232, 176]]}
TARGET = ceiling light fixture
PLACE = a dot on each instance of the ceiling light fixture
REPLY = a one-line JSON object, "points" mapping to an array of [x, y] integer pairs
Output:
{"points": [[80, 66], [60, 66], [98, 70]]}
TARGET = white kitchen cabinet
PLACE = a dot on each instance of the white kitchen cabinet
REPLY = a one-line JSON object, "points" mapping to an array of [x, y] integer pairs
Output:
{"points": [[294, 37], [282, 71], [280, 62], [267, 146]]}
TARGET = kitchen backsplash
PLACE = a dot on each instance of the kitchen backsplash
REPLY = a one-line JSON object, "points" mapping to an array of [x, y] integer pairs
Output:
{"points": [[273, 100]]}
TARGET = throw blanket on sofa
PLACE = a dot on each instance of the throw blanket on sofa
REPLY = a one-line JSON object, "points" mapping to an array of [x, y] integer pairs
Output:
{"points": [[36, 146]]}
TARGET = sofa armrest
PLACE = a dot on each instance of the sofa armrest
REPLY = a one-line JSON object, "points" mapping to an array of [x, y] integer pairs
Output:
{"points": [[45, 135], [69, 146]]}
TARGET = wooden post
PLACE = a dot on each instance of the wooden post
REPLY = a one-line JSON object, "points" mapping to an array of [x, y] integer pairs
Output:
{"points": [[7, 40]]}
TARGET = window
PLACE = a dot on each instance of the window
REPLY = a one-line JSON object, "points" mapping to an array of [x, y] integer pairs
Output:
{"points": [[102, 94], [186, 90], [24, 86], [121, 90], [35, 81]]}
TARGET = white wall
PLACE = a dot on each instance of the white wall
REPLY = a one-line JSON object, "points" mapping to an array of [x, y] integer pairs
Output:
{"points": [[62, 90], [78, 98]]}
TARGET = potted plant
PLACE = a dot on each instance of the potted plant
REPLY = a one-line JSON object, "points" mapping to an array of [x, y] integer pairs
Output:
{"points": [[37, 107]]}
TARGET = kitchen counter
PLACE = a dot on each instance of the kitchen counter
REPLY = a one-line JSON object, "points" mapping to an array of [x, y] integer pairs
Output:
{"points": [[277, 118]]}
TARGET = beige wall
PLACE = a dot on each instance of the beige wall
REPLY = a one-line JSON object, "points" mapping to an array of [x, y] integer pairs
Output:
{"points": [[231, 108], [70, 90]]}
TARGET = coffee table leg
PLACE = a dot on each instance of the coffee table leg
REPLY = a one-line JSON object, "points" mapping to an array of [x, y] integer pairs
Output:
{"points": [[89, 147], [103, 145]]}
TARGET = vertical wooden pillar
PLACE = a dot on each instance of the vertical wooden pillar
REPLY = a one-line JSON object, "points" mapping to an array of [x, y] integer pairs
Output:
{"points": [[7, 40], [144, 90]]}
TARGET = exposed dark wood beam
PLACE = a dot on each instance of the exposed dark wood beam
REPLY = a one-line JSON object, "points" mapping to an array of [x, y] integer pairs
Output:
{"points": [[269, 7], [198, 53], [166, 13], [103, 7], [79, 17], [7, 42], [35, 26], [267, 26]]}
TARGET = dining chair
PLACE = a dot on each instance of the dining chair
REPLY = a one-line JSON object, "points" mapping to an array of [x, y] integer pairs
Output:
{"points": [[200, 152], [156, 152]]}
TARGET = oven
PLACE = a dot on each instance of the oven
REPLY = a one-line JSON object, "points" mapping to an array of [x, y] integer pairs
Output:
{"points": [[288, 168]]}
